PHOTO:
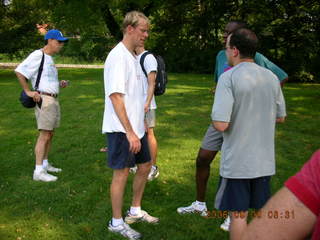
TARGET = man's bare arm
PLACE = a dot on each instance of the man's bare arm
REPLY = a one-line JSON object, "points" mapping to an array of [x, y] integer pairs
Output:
{"points": [[23, 82], [119, 107], [151, 85], [220, 126], [294, 220]]}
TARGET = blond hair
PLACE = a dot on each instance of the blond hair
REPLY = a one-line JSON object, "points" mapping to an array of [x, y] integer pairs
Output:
{"points": [[132, 18]]}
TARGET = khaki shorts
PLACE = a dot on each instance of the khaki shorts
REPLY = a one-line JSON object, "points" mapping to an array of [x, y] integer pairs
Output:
{"points": [[48, 116], [151, 118]]}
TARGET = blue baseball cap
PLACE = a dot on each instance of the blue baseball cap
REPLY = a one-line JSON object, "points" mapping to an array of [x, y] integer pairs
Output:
{"points": [[55, 34]]}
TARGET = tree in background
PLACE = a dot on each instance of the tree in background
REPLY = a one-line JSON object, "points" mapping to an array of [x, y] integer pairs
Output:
{"points": [[186, 33]]}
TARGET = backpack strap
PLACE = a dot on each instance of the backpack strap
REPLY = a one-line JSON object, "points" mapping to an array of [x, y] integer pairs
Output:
{"points": [[143, 56], [39, 72]]}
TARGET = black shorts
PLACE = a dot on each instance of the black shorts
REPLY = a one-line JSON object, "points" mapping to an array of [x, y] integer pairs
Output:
{"points": [[120, 157], [242, 194]]}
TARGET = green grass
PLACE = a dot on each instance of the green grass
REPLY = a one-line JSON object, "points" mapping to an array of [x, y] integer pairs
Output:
{"points": [[77, 206]]}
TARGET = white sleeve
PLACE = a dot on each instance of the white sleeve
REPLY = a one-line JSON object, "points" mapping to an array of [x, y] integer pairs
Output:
{"points": [[115, 75], [30, 66], [150, 64]]}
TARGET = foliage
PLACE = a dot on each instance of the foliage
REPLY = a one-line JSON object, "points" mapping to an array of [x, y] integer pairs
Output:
{"points": [[186, 33], [17, 27]]}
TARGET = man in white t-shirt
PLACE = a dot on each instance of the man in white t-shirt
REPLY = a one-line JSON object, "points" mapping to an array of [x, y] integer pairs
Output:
{"points": [[150, 66], [47, 109], [123, 121]]}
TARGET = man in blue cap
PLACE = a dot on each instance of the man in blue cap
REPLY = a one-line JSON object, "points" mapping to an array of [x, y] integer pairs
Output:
{"points": [[47, 109]]}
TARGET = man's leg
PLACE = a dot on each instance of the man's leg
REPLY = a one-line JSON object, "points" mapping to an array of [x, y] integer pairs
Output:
{"points": [[117, 225], [42, 145], [211, 143], [204, 159], [41, 149], [46, 165], [153, 146], [117, 188], [48, 146], [153, 149], [143, 161], [136, 214], [139, 183], [150, 121], [238, 224]]}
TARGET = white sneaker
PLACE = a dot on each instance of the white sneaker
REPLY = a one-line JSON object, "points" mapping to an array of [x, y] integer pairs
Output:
{"points": [[51, 168], [143, 217], [133, 169], [125, 230], [43, 176], [193, 208], [225, 226], [154, 173]]}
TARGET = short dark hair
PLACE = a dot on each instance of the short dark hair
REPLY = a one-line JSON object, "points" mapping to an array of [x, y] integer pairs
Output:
{"points": [[245, 41], [240, 24]]}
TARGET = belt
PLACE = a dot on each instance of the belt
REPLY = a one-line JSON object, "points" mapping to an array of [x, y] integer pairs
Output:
{"points": [[49, 94]]}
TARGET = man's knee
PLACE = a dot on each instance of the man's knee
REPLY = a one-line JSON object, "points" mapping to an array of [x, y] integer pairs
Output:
{"points": [[120, 174], [205, 158], [45, 136], [150, 133], [144, 168]]}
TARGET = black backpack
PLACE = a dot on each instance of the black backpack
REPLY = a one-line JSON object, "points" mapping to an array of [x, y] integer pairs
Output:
{"points": [[161, 79]]}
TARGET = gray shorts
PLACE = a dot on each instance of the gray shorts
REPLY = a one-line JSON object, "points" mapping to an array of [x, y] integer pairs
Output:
{"points": [[151, 118], [213, 139]]}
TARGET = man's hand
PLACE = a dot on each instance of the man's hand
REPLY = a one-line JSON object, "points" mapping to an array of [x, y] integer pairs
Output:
{"points": [[64, 83], [134, 142], [35, 95], [146, 107], [280, 120]]}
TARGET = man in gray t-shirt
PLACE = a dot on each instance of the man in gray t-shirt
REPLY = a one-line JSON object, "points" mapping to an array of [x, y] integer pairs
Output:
{"points": [[248, 103]]}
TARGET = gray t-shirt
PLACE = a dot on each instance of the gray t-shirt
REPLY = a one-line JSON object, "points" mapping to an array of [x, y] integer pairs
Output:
{"points": [[249, 97]]}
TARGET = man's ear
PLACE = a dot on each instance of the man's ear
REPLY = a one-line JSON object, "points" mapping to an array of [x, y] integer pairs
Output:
{"points": [[130, 28], [236, 52]]}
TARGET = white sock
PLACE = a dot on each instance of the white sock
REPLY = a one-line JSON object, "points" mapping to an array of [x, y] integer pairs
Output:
{"points": [[45, 163], [201, 205], [116, 222], [135, 210], [38, 168]]}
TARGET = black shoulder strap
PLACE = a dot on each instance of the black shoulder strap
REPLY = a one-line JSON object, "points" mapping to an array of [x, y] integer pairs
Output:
{"points": [[143, 56], [39, 72]]}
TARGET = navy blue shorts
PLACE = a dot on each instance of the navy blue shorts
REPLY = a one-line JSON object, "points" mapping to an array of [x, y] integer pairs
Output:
{"points": [[242, 194], [120, 157]]}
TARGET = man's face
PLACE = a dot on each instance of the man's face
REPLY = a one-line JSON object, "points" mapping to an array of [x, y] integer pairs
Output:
{"points": [[55, 45], [230, 27], [229, 51], [140, 33]]}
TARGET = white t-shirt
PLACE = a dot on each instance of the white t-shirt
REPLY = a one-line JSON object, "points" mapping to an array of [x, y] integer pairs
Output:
{"points": [[49, 78], [150, 65], [121, 76]]}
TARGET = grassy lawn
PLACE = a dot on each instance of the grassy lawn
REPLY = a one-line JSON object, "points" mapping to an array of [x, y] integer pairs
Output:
{"points": [[77, 206]]}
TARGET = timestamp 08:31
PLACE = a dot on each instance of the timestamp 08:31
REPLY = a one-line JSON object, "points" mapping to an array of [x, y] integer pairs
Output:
{"points": [[271, 214], [274, 214]]}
